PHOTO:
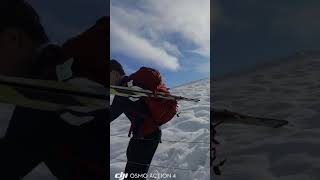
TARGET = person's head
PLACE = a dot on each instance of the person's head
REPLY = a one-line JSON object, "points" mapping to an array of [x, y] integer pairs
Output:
{"points": [[116, 71], [20, 35]]}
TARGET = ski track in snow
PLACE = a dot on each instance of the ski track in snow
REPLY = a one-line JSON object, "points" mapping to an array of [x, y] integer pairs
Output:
{"points": [[290, 91], [192, 125]]}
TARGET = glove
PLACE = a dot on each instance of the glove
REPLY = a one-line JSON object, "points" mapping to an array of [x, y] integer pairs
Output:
{"points": [[130, 85]]}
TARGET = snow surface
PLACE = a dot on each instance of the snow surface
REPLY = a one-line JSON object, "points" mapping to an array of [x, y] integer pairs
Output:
{"points": [[192, 125], [288, 90]]}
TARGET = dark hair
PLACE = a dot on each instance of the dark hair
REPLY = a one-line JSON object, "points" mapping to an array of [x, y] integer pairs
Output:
{"points": [[19, 14], [116, 66]]}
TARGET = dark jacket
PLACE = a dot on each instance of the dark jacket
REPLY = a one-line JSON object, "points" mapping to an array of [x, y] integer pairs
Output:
{"points": [[136, 111]]}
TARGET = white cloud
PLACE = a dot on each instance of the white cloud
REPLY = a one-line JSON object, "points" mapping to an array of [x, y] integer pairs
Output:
{"points": [[190, 18], [144, 32], [171, 48], [140, 48]]}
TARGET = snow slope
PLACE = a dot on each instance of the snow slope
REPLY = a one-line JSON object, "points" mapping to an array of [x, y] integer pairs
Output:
{"points": [[289, 90], [192, 125]]}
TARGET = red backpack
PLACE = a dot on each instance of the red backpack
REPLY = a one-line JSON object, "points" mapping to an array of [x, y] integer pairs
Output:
{"points": [[161, 110]]}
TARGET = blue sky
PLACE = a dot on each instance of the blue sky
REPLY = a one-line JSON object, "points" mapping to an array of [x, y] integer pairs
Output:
{"points": [[65, 19], [250, 32], [171, 36]]}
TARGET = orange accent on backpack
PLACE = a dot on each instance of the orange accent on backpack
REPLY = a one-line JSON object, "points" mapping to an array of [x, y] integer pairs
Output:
{"points": [[161, 110]]}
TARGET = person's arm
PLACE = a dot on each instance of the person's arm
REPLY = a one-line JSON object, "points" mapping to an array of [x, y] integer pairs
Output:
{"points": [[118, 106]]}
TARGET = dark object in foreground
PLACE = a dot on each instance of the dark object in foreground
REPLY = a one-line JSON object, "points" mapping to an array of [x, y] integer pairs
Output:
{"points": [[233, 117], [49, 95], [224, 116], [70, 152], [216, 168], [130, 92]]}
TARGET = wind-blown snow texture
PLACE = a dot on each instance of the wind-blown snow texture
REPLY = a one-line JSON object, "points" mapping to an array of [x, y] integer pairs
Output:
{"points": [[289, 90], [192, 125]]}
